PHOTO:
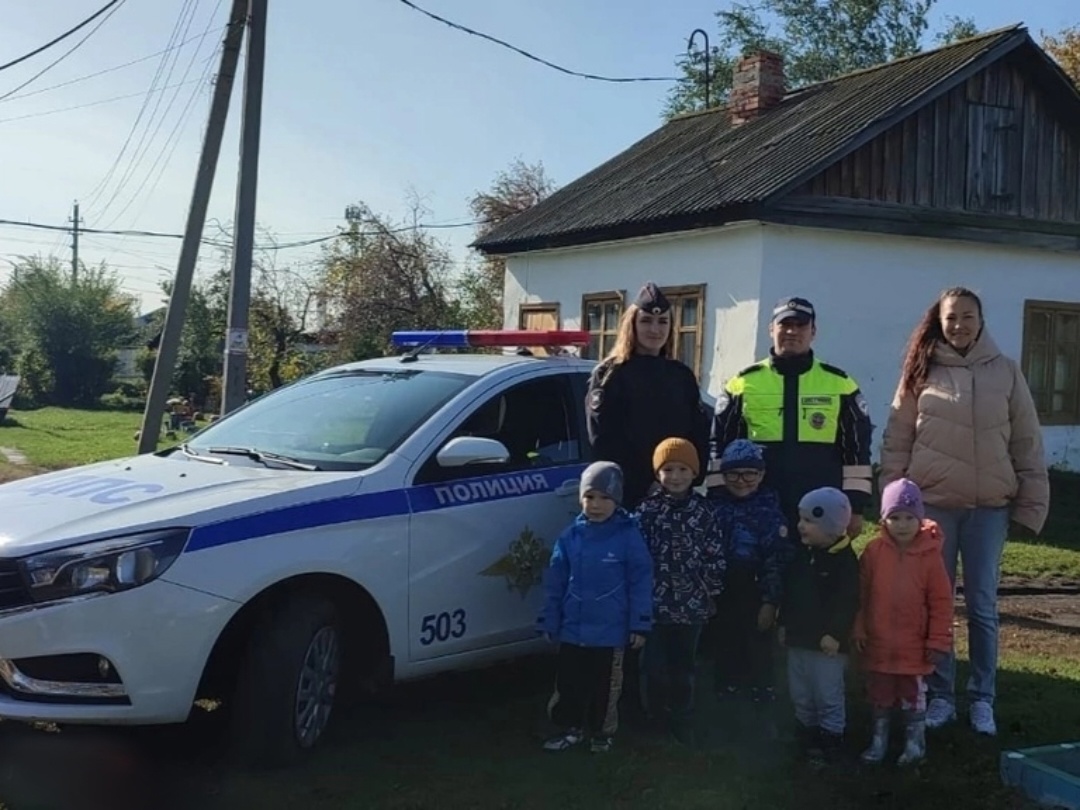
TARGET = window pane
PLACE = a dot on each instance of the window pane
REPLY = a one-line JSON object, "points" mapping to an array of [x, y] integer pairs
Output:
{"points": [[689, 309], [1036, 370], [1063, 400], [1067, 328], [593, 315], [685, 350], [1038, 325], [594, 349], [611, 315]]}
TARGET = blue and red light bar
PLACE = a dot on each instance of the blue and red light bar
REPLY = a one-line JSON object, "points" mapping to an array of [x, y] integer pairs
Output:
{"points": [[489, 338]]}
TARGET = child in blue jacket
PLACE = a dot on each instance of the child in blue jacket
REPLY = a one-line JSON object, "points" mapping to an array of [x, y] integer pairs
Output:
{"points": [[598, 600]]}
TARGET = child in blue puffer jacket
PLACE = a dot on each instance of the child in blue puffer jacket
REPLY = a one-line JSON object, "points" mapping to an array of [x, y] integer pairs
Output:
{"points": [[598, 600]]}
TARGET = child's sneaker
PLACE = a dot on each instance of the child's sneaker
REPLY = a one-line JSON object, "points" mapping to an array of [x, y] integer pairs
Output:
{"points": [[566, 740], [600, 745]]}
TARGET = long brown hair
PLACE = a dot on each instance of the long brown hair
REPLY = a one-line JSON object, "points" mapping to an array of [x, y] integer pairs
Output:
{"points": [[920, 346], [626, 339]]}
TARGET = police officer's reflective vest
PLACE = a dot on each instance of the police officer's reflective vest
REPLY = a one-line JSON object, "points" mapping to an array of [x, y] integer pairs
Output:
{"points": [[820, 398]]}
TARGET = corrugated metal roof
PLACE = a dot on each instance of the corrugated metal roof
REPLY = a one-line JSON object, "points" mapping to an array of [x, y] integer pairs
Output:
{"points": [[698, 166]]}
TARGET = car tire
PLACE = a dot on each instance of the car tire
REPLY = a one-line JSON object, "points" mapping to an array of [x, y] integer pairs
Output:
{"points": [[287, 684]]}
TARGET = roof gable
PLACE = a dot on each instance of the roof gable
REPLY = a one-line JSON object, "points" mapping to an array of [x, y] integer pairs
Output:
{"points": [[699, 170]]}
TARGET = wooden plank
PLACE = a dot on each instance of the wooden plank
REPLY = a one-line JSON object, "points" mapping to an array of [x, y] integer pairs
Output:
{"points": [[977, 186], [1010, 124], [909, 178], [893, 157], [860, 173], [877, 169], [1029, 149], [934, 223], [957, 145], [924, 156], [1056, 177], [941, 152]]}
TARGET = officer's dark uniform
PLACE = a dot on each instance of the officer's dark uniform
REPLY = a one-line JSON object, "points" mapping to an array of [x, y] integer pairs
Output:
{"points": [[635, 405], [810, 417], [632, 407]]}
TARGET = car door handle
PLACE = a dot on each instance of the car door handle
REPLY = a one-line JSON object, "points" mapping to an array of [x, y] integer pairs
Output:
{"points": [[567, 488]]}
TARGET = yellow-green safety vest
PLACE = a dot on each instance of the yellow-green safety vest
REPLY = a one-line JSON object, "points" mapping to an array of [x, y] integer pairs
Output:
{"points": [[820, 395]]}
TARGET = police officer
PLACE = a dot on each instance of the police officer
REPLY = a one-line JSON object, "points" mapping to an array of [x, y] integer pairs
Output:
{"points": [[810, 417], [640, 395]]}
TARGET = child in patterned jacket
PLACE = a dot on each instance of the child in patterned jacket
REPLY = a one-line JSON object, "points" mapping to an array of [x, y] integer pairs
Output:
{"points": [[687, 548]]}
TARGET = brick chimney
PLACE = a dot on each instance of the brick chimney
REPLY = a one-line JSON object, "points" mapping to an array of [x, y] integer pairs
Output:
{"points": [[757, 86]]}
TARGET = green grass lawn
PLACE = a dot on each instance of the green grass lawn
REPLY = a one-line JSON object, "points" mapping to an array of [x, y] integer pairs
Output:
{"points": [[59, 437]]}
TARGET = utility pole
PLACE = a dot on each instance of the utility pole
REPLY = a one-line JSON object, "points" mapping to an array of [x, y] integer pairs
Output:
{"points": [[196, 221], [234, 385], [75, 244]]}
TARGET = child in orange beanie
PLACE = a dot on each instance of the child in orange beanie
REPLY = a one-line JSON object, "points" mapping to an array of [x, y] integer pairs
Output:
{"points": [[905, 614], [686, 543]]}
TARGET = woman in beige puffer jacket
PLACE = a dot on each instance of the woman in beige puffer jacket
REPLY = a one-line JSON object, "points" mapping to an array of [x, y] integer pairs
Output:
{"points": [[963, 426]]}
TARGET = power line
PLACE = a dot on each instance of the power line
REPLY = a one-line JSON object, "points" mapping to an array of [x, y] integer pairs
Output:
{"points": [[271, 246], [527, 55], [113, 69], [63, 36], [63, 56], [91, 103]]}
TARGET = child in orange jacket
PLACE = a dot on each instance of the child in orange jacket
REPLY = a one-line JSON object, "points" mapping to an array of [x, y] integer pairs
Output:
{"points": [[905, 616]]}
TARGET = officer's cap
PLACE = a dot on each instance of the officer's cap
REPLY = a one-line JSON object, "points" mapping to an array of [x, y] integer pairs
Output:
{"points": [[651, 300], [798, 308]]}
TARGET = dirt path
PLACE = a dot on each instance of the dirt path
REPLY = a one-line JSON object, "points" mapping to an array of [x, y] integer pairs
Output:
{"points": [[14, 456]]}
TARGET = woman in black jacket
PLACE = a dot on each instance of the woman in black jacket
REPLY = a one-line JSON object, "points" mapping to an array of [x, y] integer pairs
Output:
{"points": [[640, 395]]}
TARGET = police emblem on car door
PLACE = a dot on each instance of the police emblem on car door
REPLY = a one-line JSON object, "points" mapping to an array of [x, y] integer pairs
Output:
{"points": [[487, 506]]}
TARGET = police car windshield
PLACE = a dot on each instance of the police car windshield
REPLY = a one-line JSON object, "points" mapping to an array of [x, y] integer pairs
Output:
{"points": [[338, 421]]}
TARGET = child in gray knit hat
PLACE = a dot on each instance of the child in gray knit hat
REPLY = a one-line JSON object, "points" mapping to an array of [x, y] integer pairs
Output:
{"points": [[817, 615], [597, 601]]}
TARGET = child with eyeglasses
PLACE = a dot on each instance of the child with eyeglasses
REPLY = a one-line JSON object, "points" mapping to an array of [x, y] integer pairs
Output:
{"points": [[755, 537]]}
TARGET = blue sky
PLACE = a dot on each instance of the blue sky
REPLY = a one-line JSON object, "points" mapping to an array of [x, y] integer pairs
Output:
{"points": [[363, 101]]}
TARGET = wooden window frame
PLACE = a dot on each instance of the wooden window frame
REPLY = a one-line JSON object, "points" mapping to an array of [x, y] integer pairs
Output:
{"points": [[607, 297], [546, 306], [1031, 307], [676, 295]]}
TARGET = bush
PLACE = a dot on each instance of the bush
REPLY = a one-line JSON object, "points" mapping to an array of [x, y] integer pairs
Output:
{"points": [[118, 401]]}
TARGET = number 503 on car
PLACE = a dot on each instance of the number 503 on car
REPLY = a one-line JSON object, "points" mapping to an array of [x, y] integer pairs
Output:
{"points": [[442, 626]]}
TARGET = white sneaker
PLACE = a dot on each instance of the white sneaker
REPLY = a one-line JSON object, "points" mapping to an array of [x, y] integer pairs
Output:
{"points": [[939, 712], [982, 718]]}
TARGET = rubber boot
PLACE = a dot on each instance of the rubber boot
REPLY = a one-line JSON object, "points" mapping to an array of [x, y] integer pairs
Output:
{"points": [[914, 738], [879, 743]]}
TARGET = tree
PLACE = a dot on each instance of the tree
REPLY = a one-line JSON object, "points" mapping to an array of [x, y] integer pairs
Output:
{"points": [[956, 29], [1064, 46], [281, 305], [66, 331], [514, 190], [819, 39], [378, 277]]}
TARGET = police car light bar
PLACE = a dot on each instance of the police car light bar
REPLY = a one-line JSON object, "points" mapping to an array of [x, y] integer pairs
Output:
{"points": [[489, 338]]}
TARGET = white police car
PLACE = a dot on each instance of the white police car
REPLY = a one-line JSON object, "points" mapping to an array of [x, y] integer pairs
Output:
{"points": [[376, 522]]}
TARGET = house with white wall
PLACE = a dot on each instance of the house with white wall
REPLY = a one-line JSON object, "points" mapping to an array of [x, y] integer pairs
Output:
{"points": [[867, 194]]}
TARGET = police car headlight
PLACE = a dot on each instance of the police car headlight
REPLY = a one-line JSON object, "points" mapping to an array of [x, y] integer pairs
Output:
{"points": [[103, 566]]}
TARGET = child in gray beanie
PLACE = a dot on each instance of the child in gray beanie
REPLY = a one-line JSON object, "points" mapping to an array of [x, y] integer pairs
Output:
{"points": [[817, 615], [597, 602]]}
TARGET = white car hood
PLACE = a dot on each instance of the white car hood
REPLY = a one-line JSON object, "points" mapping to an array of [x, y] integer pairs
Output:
{"points": [[147, 492]]}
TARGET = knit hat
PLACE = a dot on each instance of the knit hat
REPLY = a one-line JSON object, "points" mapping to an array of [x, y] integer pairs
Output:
{"points": [[742, 454], [829, 508], [902, 495], [605, 477], [679, 450]]}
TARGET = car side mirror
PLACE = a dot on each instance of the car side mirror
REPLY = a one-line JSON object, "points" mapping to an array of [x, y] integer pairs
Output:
{"points": [[466, 450]]}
